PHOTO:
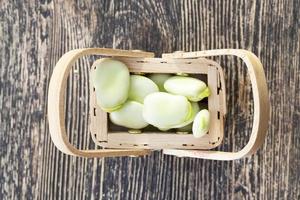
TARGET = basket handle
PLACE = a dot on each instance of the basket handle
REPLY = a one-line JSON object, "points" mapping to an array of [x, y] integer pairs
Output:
{"points": [[56, 103], [261, 105]]}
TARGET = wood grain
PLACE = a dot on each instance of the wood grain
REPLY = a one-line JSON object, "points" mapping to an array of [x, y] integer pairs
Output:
{"points": [[33, 36]]}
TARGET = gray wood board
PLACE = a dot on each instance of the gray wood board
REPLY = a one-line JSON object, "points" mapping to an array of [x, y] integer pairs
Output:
{"points": [[33, 36]]}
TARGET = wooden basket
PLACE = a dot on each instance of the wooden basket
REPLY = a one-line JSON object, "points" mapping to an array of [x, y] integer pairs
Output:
{"points": [[119, 142]]}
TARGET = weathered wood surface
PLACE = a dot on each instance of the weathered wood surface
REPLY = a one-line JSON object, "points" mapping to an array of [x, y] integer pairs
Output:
{"points": [[33, 35]]}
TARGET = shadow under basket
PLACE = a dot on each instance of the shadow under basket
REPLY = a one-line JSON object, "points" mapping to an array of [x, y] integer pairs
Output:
{"points": [[117, 141], [107, 135]]}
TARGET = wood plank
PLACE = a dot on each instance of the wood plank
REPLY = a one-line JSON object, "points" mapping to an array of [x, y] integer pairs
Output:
{"points": [[34, 34], [157, 141]]}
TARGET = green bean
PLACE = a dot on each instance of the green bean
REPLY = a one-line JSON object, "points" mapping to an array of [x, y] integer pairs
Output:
{"points": [[165, 110], [201, 123], [140, 87], [110, 79], [160, 79], [192, 88], [129, 115]]}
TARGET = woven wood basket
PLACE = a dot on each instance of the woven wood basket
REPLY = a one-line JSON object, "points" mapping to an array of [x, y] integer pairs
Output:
{"points": [[119, 142]]}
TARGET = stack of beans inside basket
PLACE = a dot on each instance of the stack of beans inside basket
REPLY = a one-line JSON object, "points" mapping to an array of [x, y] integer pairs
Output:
{"points": [[162, 100]]}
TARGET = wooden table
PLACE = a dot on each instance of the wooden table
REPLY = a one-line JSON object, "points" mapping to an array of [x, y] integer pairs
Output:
{"points": [[33, 35]]}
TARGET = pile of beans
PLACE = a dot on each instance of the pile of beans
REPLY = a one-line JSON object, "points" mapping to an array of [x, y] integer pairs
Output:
{"points": [[162, 100]]}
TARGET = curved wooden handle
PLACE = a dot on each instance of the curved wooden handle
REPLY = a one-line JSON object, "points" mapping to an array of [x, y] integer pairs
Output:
{"points": [[261, 106], [56, 103]]}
